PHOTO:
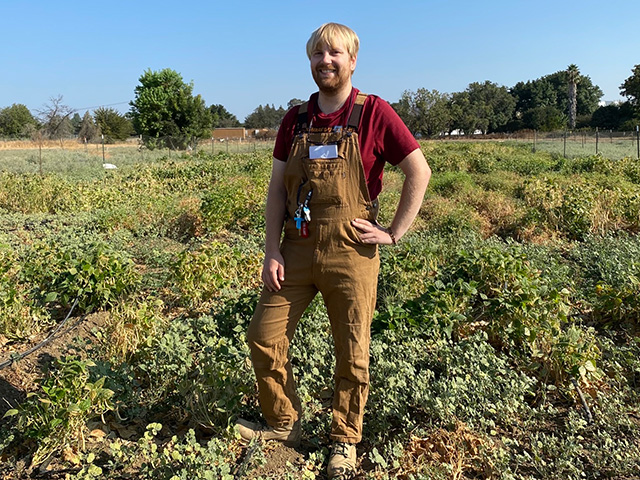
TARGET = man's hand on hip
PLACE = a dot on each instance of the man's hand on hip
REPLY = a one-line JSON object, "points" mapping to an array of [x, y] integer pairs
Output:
{"points": [[371, 232]]}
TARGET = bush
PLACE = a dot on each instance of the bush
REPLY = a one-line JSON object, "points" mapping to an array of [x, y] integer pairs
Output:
{"points": [[55, 416], [91, 271]]}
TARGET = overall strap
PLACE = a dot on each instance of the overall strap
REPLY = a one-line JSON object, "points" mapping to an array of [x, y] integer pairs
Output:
{"points": [[356, 112], [303, 118]]}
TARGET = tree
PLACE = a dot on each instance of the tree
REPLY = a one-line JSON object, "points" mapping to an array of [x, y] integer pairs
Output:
{"points": [[614, 117], [113, 125], [54, 118], [573, 78], [631, 88], [482, 106], [545, 118], [221, 118], [89, 131], [462, 117], [551, 91], [76, 123], [424, 112], [166, 112], [265, 117], [16, 121]]}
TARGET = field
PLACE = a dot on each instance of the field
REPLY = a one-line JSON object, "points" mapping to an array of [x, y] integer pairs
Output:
{"points": [[504, 345]]}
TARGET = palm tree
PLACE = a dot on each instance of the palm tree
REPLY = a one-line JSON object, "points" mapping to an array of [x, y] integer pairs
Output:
{"points": [[573, 77]]}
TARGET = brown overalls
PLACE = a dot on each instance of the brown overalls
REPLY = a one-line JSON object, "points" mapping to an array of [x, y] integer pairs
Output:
{"points": [[332, 260]]}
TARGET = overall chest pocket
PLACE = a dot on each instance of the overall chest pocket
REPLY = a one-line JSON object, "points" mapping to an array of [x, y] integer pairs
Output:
{"points": [[328, 179]]}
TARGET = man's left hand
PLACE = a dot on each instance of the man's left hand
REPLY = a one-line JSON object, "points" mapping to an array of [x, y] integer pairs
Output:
{"points": [[371, 233]]}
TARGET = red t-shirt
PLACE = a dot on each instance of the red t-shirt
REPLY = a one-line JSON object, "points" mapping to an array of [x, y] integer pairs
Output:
{"points": [[382, 135]]}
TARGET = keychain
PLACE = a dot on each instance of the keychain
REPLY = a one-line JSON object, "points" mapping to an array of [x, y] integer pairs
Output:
{"points": [[302, 215]]}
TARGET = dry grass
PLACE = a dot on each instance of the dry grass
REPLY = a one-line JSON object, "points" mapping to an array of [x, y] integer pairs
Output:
{"points": [[68, 144]]}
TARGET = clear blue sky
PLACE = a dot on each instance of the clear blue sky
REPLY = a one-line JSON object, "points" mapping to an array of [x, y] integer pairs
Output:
{"points": [[245, 53]]}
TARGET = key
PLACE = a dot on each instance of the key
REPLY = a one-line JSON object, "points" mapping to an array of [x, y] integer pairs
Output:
{"points": [[306, 214], [298, 221]]}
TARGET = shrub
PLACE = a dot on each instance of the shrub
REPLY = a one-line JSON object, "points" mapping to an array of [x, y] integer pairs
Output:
{"points": [[90, 270], [203, 274], [56, 415]]}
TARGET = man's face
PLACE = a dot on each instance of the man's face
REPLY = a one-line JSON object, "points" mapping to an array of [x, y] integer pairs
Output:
{"points": [[332, 67]]}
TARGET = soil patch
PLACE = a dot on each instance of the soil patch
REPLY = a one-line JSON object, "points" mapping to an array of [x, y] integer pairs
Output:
{"points": [[19, 378]]}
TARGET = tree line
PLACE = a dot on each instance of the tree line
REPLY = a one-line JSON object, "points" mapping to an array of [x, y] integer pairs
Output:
{"points": [[562, 100], [165, 110]]}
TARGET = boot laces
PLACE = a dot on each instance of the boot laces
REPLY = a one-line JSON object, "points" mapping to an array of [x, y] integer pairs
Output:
{"points": [[340, 448]]}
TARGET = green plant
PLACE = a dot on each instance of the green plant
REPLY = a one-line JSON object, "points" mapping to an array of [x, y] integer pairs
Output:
{"points": [[205, 273], [55, 416], [91, 271]]}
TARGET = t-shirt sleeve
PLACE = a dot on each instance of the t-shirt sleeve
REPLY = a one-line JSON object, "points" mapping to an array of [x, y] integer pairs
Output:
{"points": [[284, 139], [393, 140]]}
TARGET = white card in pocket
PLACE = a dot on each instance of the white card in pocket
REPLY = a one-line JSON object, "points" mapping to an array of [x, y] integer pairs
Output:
{"points": [[323, 151]]}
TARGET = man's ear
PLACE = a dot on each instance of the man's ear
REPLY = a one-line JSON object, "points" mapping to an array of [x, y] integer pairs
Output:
{"points": [[354, 60]]}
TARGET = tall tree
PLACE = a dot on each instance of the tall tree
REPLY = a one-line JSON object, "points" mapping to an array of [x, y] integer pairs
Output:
{"points": [[425, 112], [89, 131], [552, 91], [265, 117], [76, 122], [16, 121], [631, 88], [573, 78], [221, 118], [54, 118], [113, 125], [166, 112], [482, 106]]}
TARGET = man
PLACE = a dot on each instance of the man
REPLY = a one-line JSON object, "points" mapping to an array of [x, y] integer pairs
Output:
{"points": [[327, 173]]}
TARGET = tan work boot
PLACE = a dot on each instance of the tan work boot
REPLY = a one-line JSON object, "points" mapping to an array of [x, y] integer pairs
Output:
{"points": [[289, 435], [342, 462]]}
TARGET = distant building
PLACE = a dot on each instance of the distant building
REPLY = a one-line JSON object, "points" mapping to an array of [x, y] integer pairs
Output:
{"points": [[231, 133]]}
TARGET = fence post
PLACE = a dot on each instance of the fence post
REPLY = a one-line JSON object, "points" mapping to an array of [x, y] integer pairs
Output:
{"points": [[564, 154], [535, 135], [638, 140], [103, 161], [597, 138]]}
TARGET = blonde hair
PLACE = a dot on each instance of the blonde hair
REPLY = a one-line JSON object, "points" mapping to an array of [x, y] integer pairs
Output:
{"points": [[332, 33]]}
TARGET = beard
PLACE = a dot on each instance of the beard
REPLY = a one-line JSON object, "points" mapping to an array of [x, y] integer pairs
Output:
{"points": [[332, 84]]}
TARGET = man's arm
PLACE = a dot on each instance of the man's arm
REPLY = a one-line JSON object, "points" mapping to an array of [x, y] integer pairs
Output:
{"points": [[273, 267], [417, 174]]}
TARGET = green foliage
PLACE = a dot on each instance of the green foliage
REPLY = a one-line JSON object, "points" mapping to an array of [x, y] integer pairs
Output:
{"points": [[208, 272], [55, 416], [204, 373], [19, 316], [267, 116], [88, 131], [221, 118], [482, 106], [234, 203], [16, 121], [92, 272], [475, 342], [631, 87], [424, 112], [164, 106], [112, 124]]}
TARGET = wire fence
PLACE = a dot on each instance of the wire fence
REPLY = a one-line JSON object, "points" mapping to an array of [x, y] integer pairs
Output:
{"points": [[608, 143], [78, 157]]}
